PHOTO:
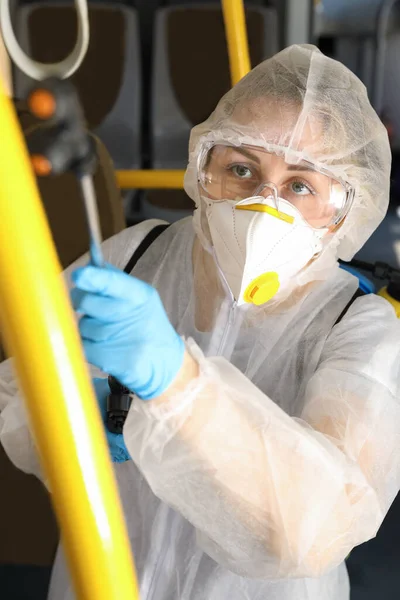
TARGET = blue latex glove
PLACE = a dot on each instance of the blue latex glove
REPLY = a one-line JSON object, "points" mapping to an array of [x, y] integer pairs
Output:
{"points": [[116, 443], [126, 331]]}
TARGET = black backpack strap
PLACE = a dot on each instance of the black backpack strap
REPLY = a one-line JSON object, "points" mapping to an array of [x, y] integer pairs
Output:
{"points": [[358, 294], [144, 245], [120, 398]]}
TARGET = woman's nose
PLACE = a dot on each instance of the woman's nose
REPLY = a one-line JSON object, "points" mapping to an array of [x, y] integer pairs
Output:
{"points": [[270, 191]]}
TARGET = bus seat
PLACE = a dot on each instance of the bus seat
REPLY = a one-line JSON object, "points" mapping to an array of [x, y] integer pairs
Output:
{"points": [[190, 74]]}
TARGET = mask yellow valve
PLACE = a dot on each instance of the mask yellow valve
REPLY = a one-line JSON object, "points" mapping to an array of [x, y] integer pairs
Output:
{"points": [[262, 289]]}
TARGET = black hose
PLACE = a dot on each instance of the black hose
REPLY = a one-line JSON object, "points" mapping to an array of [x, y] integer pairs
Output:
{"points": [[379, 270]]}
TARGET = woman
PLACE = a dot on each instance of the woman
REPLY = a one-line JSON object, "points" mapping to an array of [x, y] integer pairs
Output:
{"points": [[264, 431]]}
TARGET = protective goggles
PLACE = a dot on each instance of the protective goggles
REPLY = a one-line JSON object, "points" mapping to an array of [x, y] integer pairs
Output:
{"points": [[227, 172]]}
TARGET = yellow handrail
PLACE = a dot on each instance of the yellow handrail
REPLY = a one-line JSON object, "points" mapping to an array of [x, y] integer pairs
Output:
{"points": [[150, 179], [39, 332]]}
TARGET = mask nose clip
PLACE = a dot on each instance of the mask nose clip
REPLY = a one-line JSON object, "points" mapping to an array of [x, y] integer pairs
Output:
{"points": [[269, 191]]}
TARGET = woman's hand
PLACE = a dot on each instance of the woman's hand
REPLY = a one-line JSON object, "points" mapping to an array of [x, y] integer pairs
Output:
{"points": [[125, 330]]}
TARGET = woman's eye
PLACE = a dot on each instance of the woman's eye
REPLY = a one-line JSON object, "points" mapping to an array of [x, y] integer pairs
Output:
{"points": [[242, 171], [300, 188]]}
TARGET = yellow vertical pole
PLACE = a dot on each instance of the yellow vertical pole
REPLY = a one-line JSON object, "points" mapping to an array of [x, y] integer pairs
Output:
{"points": [[236, 37], [39, 332]]}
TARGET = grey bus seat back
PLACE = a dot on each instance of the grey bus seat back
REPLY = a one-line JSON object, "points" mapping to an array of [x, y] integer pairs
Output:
{"points": [[191, 71], [367, 41], [190, 74]]}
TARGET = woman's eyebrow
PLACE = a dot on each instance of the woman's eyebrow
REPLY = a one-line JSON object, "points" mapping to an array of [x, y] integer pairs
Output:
{"points": [[256, 159], [248, 154], [299, 168]]}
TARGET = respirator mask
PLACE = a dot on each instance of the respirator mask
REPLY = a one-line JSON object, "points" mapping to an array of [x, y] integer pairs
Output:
{"points": [[266, 218]]}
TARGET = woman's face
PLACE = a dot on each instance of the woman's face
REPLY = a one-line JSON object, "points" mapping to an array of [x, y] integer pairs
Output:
{"points": [[236, 173]]}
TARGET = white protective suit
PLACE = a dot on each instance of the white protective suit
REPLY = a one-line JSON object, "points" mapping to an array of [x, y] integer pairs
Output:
{"points": [[258, 479]]}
